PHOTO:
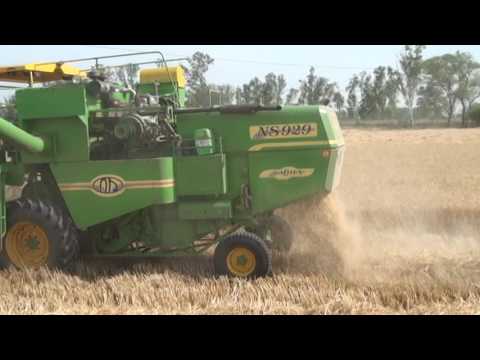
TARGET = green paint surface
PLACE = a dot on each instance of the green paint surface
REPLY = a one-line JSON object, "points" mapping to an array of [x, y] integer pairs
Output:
{"points": [[201, 175], [89, 208]]}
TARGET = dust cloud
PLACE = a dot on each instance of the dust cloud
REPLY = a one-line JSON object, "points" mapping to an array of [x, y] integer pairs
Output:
{"points": [[400, 215]]}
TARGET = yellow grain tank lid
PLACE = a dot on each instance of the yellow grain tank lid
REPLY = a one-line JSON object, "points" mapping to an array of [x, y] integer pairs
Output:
{"points": [[40, 73], [163, 75]]}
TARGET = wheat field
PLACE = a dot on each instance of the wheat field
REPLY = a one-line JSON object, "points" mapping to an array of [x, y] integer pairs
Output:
{"points": [[400, 236]]}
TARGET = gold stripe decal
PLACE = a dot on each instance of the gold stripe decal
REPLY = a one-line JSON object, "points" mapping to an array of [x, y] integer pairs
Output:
{"points": [[260, 147], [113, 185]]}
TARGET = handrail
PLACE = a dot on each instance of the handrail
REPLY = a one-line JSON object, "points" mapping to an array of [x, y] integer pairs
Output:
{"points": [[142, 63], [96, 58]]}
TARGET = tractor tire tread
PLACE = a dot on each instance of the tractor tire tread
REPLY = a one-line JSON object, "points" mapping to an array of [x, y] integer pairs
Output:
{"points": [[53, 217], [253, 242]]}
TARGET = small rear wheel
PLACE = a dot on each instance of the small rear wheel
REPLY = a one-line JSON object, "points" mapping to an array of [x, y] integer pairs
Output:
{"points": [[243, 255]]}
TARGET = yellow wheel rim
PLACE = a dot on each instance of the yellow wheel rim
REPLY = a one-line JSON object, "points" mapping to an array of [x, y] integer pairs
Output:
{"points": [[241, 262], [27, 245]]}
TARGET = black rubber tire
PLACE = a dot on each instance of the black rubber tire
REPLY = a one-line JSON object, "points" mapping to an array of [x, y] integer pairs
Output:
{"points": [[59, 228], [263, 256], [282, 234]]}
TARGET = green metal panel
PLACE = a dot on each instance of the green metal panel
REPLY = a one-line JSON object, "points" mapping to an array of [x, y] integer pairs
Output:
{"points": [[176, 234], [200, 175], [205, 210], [15, 174], [67, 140], [122, 97], [59, 115], [166, 229], [278, 178], [52, 102], [97, 191]]}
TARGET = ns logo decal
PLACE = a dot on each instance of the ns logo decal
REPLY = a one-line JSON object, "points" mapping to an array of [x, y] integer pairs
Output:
{"points": [[108, 185], [283, 131]]}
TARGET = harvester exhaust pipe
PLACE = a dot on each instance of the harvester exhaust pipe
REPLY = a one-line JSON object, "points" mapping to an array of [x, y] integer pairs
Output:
{"points": [[20, 137]]}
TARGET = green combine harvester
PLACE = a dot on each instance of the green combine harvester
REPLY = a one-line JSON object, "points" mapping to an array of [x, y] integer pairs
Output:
{"points": [[113, 170]]}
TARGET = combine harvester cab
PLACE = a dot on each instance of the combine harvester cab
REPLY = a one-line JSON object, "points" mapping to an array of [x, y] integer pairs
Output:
{"points": [[112, 171]]}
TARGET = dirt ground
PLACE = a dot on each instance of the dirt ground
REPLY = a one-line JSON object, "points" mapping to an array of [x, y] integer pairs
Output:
{"points": [[404, 223]]}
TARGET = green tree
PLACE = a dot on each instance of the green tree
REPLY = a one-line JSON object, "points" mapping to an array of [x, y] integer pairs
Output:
{"points": [[268, 92], [127, 74], [197, 88], [391, 89], [467, 91], [272, 89], [432, 102], [339, 102], [281, 86], [307, 88], [256, 90], [225, 94], [228, 93], [239, 96], [246, 94], [410, 76], [292, 96], [8, 111], [316, 90], [474, 90], [474, 114], [379, 93], [250, 93], [352, 100], [442, 80], [368, 105]]}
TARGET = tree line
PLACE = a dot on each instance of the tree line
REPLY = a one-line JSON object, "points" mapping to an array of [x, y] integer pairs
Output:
{"points": [[440, 87]]}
